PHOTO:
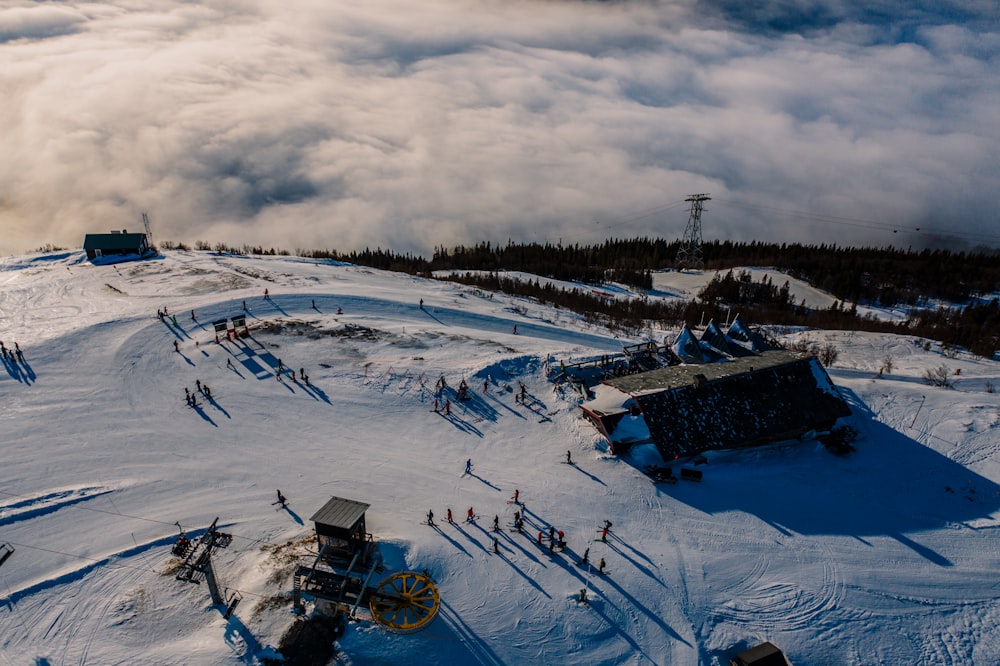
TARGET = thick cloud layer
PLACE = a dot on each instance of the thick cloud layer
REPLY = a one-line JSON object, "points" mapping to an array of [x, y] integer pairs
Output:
{"points": [[321, 123]]}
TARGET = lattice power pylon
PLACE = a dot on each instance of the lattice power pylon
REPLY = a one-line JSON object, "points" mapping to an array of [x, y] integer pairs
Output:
{"points": [[690, 255]]}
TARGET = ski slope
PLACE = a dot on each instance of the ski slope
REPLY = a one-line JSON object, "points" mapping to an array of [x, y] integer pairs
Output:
{"points": [[885, 556]]}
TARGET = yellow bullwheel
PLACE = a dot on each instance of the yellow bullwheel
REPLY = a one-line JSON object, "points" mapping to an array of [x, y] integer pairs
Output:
{"points": [[405, 602]]}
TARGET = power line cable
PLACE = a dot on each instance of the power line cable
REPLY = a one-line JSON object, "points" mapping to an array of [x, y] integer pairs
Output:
{"points": [[858, 222]]}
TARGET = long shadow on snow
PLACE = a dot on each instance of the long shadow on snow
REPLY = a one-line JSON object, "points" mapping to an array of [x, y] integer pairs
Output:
{"points": [[476, 476], [440, 530], [889, 486], [77, 574], [596, 606], [46, 508], [15, 371], [531, 581], [586, 473], [642, 568], [219, 407], [521, 548], [202, 414], [294, 515], [658, 621], [237, 632], [477, 406], [478, 649], [571, 567], [461, 424]]}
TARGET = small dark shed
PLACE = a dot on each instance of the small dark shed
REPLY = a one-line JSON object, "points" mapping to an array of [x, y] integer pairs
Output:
{"points": [[115, 243], [340, 527], [765, 654]]}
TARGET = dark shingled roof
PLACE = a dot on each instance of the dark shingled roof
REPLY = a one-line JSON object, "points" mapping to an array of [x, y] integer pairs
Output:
{"points": [[765, 654], [684, 375], [340, 513], [744, 402]]}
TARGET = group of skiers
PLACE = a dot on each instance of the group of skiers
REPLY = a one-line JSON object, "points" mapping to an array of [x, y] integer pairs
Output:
{"points": [[11, 354], [190, 397], [556, 538]]}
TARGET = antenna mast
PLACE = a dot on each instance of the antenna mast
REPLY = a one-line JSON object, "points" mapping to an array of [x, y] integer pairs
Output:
{"points": [[690, 254], [149, 233]]}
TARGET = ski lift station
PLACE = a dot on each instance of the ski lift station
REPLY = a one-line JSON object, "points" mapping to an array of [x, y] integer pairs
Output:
{"points": [[340, 579]]}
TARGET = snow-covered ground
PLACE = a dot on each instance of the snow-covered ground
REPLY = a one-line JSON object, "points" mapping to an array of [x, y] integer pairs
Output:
{"points": [[886, 556]]}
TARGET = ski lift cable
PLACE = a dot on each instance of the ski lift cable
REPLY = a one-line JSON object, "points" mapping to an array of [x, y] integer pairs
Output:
{"points": [[105, 561], [134, 517]]}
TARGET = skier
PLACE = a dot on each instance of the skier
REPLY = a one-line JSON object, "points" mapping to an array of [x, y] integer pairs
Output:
{"points": [[586, 557], [266, 295], [449, 516], [600, 566], [569, 457], [496, 546], [421, 304], [197, 383], [173, 318], [192, 316], [340, 310], [604, 535], [470, 515], [468, 466], [515, 329], [486, 387], [430, 517], [282, 500], [447, 407], [177, 347], [229, 363], [244, 306], [517, 494], [435, 404], [496, 523], [207, 391], [539, 540], [314, 304]]}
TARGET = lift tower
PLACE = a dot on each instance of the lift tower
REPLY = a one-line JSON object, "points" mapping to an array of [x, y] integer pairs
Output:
{"points": [[690, 253]]}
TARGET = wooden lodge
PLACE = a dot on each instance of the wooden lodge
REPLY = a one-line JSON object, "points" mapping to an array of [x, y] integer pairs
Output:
{"points": [[687, 409]]}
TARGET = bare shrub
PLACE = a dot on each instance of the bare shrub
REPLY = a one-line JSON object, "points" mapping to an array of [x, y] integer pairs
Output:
{"points": [[940, 376], [828, 355]]}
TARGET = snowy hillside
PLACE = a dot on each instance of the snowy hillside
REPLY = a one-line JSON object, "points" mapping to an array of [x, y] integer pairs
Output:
{"points": [[886, 556]]}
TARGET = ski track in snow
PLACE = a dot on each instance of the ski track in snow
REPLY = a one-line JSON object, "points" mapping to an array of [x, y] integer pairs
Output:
{"points": [[695, 570]]}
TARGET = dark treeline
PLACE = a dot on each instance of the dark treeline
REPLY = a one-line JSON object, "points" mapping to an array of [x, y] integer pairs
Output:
{"points": [[886, 277], [877, 276]]}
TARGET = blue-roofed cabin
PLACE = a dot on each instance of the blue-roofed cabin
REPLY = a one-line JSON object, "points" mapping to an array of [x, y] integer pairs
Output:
{"points": [[115, 244]]}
